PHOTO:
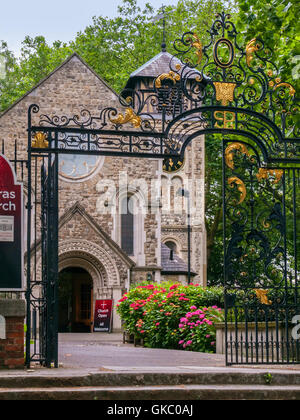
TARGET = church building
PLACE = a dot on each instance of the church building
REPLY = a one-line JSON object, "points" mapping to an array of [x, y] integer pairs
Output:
{"points": [[122, 221]]}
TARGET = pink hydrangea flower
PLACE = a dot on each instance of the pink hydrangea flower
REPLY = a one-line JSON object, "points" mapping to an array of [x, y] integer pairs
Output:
{"points": [[184, 320]]}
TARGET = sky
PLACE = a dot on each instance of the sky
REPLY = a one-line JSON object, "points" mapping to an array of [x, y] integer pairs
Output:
{"points": [[56, 19]]}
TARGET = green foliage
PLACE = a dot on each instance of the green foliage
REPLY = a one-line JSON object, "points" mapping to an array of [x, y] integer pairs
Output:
{"points": [[37, 61], [214, 209], [268, 378], [115, 48], [277, 23], [173, 316]]}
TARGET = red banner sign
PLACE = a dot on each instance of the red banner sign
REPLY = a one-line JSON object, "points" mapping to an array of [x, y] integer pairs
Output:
{"points": [[11, 229], [103, 315]]}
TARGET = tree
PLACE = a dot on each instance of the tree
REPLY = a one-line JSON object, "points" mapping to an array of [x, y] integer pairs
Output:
{"points": [[114, 48], [277, 23], [37, 60]]}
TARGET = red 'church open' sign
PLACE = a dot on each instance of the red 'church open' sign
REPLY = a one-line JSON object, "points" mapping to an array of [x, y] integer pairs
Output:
{"points": [[11, 229], [103, 315]]}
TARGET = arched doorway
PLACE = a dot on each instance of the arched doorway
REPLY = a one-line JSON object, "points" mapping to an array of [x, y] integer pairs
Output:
{"points": [[75, 292]]}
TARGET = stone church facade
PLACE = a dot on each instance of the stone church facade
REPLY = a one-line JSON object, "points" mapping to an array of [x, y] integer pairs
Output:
{"points": [[101, 250]]}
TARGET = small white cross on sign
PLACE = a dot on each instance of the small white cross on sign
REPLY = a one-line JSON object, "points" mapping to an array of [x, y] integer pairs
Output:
{"points": [[2, 328]]}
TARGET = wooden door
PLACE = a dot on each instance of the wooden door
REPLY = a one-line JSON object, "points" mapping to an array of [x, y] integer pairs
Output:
{"points": [[83, 303]]}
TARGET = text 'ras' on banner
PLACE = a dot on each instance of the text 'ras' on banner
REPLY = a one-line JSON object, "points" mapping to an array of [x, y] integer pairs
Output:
{"points": [[103, 315], [11, 229]]}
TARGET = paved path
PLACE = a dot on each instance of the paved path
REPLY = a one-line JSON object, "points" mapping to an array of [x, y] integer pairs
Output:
{"points": [[81, 354], [107, 351]]}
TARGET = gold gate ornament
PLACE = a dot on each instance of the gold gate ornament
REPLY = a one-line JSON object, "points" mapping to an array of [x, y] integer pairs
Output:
{"points": [[225, 92], [129, 117], [227, 118], [266, 173], [262, 296], [241, 187], [40, 141], [229, 153]]}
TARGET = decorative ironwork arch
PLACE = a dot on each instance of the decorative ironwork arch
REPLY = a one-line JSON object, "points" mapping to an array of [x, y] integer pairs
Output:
{"points": [[236, 122], [222, 88]]}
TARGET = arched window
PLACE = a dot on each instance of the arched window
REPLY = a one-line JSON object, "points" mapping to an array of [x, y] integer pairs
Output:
{"points": [[127, 226], [171, 199]]}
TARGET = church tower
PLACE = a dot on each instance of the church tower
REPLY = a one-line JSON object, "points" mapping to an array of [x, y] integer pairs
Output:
{"points": [[182, 180]]}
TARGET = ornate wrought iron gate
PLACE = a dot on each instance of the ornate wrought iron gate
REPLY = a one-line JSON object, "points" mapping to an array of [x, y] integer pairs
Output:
{"points": [[262, 245], [224, 89], [42, 310]]}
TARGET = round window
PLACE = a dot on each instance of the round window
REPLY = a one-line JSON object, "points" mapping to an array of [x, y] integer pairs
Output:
{"points": [[79, 167]]}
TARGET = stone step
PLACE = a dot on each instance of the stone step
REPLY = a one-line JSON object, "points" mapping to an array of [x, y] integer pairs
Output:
{"points": [[156, 393], [129, 379]]}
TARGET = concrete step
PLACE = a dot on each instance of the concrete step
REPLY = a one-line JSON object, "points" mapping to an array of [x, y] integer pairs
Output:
{"points": [[156, 393], [134, 379]]}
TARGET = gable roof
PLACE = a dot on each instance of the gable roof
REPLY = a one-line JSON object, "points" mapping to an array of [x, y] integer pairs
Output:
{"points": [[158, 65], [154, 67], [78, 209], [174, 266], [74, 55]]}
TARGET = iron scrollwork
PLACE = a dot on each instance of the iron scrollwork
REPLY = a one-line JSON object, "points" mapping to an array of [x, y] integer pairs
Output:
{"points": [[217, 81]]}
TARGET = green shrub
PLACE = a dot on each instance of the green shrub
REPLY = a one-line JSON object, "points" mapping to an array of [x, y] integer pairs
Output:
{"points": [[153, 312]]}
